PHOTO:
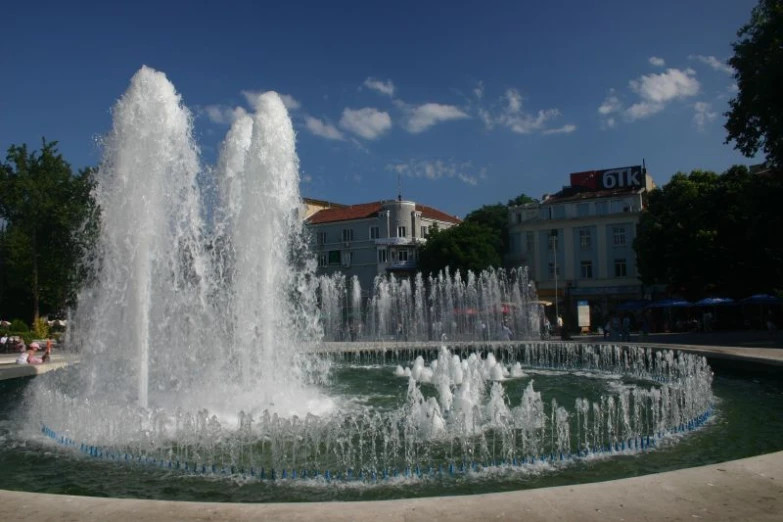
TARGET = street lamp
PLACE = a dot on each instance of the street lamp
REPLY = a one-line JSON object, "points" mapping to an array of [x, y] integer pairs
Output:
{"points": [[553, 235]]}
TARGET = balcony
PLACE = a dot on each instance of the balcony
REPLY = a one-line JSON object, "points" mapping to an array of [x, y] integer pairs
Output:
{"points": [[400, 241], [401, 266]]}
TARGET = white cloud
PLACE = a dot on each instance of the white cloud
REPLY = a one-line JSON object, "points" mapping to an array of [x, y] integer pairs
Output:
{"points": [[382, 87], [611, 104], [657, 90], [713, 62], [479, 90], [654, 91], [667, 86], [513, 116], [565, 129], [368, 123], [439, 169], [425, 116], [486, 117], [644, 109], [323, 129], [523, 123], [513, 101], [657, 62], [222, 114], [703, 114], [289, 101]]}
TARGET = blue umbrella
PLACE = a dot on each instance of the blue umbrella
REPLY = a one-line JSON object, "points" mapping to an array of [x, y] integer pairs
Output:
{"points": [[632, 305], [714, 301], [669, 303], [762, 299]]}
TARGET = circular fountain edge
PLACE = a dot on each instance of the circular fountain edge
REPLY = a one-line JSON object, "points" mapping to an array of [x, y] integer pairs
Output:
{"points": [[747, 489]]}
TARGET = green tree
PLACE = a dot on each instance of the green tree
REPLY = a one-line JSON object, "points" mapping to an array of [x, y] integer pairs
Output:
{"points": [[51, 222], [480, 241], [754, 119], [520, 200], [467, 246], [495, 217], [705, 233]]}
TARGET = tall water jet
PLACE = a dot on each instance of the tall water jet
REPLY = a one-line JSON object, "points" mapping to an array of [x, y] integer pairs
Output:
{"points": [[150, 235]]}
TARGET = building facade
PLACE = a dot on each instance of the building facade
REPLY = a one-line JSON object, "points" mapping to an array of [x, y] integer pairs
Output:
{"points": [[578, 243], [372, 238]]}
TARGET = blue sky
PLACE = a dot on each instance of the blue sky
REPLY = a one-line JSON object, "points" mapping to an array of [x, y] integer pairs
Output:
{"points": [[469, 102]]}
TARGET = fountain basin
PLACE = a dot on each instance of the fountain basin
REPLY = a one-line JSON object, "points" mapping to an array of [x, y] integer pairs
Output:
{"points": [[744, 423]]}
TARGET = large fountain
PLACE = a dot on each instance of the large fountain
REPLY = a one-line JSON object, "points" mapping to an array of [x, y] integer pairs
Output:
{"points": [[201, 353]]}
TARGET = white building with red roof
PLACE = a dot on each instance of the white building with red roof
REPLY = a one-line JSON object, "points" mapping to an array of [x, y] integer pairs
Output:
{"points": [[373, 238]]}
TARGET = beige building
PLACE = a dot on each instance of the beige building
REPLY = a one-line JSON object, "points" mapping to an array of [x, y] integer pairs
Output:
{"points": [[578, 243]]}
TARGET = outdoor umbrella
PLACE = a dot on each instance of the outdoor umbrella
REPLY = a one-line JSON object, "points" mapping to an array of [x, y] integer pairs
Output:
{"points": [[669, 303], [632, 305], [763, 301]]}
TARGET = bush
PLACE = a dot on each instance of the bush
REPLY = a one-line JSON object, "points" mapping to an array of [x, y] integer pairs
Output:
{"points": [[41, 328], [17, 325]]}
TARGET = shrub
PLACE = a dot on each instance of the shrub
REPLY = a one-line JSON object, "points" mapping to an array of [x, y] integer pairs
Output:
{"points": [[41, 328], [19, 326]]}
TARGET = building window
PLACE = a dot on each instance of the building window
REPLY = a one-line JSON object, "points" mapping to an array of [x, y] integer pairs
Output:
{"points": [[518, 217], [401, 232], [424, 231], [375, 232], [552, 270], [530, 241], [347, 234], [582, 209], [322, 238], [620, 268], [382, 255], [587, 269], [585, 239], [553, 242], [322, 260], [347, 257], [334, 257], [619, 235], [402, 255], [600, 208]]}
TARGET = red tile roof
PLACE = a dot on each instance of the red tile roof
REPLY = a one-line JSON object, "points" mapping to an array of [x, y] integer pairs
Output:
{"points": [[368, 210], [434, 213], [361, 211]]}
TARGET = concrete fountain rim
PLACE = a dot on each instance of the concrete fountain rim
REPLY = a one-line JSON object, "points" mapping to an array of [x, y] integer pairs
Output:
{"points": [[749, 489]]}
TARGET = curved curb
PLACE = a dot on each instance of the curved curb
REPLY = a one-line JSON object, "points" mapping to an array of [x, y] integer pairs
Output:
{"points": [[747, 489]]}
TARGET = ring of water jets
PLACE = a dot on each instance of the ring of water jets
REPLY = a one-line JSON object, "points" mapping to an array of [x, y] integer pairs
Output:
{"points": [[468, 427]]}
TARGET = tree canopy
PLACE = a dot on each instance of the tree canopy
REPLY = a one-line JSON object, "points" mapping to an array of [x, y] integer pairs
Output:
{"points": [[50, 222], [479, 242], [709, 234], [467, 246], [754, 119]]}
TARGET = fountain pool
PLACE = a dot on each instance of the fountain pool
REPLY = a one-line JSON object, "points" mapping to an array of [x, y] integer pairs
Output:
{"points": [[202, 373], [745, 421]]}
